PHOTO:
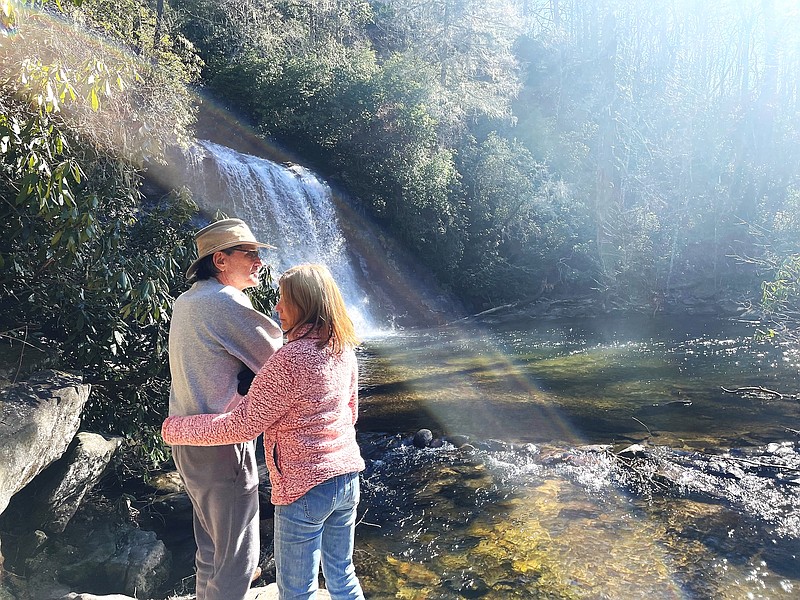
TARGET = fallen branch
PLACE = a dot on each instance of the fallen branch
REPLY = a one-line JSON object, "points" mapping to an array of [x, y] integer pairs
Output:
{"points": [[758, 391], [643, 425], [361, 521], [756, 463]]}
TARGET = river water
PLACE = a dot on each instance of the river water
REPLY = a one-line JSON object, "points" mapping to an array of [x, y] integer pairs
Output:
{"points": [[541, 504]]}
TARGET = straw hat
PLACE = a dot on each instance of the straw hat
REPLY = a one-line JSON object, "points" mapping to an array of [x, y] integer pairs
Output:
{"points": [[222, 235]]}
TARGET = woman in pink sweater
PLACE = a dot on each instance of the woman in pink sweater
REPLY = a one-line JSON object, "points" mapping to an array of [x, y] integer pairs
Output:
{"points": [[305, 401]]}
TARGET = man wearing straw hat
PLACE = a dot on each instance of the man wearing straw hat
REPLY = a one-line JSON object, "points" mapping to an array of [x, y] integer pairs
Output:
{"points": [[215, 335]]}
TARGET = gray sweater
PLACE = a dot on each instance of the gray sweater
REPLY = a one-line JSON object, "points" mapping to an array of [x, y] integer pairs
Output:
{"points": [[214, 333]]}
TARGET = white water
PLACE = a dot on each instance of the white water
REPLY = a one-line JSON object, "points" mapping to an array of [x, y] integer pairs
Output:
{"points": [[287, 207]]}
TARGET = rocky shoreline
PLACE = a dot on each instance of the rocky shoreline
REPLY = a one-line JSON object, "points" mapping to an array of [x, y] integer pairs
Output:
{"points": [[268, 592], [690, 301]]}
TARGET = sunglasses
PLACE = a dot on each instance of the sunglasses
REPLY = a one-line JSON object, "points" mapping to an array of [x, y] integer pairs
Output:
{"points": [[251, 254]]}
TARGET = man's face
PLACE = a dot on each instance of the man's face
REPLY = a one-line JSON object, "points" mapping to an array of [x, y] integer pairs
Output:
{"points": [[239, 266]]}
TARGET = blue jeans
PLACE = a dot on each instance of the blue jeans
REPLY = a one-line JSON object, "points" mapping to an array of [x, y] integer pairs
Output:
{"points": [[318, 527]]}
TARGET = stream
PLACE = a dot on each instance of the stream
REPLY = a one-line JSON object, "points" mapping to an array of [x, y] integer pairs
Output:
{"points": [[604, 460]]}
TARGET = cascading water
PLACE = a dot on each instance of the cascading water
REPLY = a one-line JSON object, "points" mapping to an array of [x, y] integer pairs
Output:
{"points": [[287, 207]]}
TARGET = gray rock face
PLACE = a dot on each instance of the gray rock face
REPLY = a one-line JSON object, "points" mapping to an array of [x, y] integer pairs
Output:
{"points": [[55, 500], [100, 557], [38, 419]]}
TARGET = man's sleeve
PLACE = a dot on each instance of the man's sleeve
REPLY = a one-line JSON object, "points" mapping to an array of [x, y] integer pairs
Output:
{"points": [[246, 333]]}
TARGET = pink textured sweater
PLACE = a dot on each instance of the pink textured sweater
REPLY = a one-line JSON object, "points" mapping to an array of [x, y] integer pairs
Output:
{"points": [[305, 401]]}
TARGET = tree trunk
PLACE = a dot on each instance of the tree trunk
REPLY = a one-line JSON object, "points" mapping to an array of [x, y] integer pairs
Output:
{"points": [[159, 24]]}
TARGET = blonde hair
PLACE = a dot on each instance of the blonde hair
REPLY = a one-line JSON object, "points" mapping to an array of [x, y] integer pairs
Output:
{"points": [[313, 294]]}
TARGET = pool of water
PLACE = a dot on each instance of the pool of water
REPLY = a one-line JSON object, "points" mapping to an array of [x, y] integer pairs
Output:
{"points": [[528, 511], [582, 381]]}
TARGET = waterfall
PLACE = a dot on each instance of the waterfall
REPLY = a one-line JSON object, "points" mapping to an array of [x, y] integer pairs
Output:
{"points": [[287, 207]]}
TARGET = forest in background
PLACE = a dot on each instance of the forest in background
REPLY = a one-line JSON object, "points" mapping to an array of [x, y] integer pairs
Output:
{"points": [[632, 150], [628, 147]]}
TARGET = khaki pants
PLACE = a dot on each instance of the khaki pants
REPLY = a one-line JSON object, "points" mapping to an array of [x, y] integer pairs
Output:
{"points": [[222, 483]]}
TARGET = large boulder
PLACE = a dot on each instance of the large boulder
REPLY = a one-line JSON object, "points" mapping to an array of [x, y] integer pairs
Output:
{"points": [[53, 498], [38, 420]]}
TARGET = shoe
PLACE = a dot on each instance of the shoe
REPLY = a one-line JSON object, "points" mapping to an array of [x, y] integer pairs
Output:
{"points": [[256, 575]]}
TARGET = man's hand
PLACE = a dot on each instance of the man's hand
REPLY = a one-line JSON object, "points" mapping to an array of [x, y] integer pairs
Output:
{"points": [[245, 378]]}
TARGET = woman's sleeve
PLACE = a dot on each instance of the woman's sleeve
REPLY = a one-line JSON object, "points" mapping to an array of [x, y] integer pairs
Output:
{"points": [[270, 396]]}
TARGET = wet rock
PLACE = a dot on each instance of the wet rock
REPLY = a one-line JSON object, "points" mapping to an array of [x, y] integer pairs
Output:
{"points": [[474, 588], [491, 445], [633, 451], [575, 513], [723, 468], [458, 440], [404, 569], [423, 438], [782, 449], [596, 448], [468, 587]]}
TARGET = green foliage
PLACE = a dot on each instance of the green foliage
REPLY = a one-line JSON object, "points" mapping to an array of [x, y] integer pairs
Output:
{"points": [[265, 296], [101, 71], [524, 228], [81, 274], [389, 155], [468, 44], [228, 32], [780, 292], [124, 350], [781, 296], [780, 303], [88, 267]]}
